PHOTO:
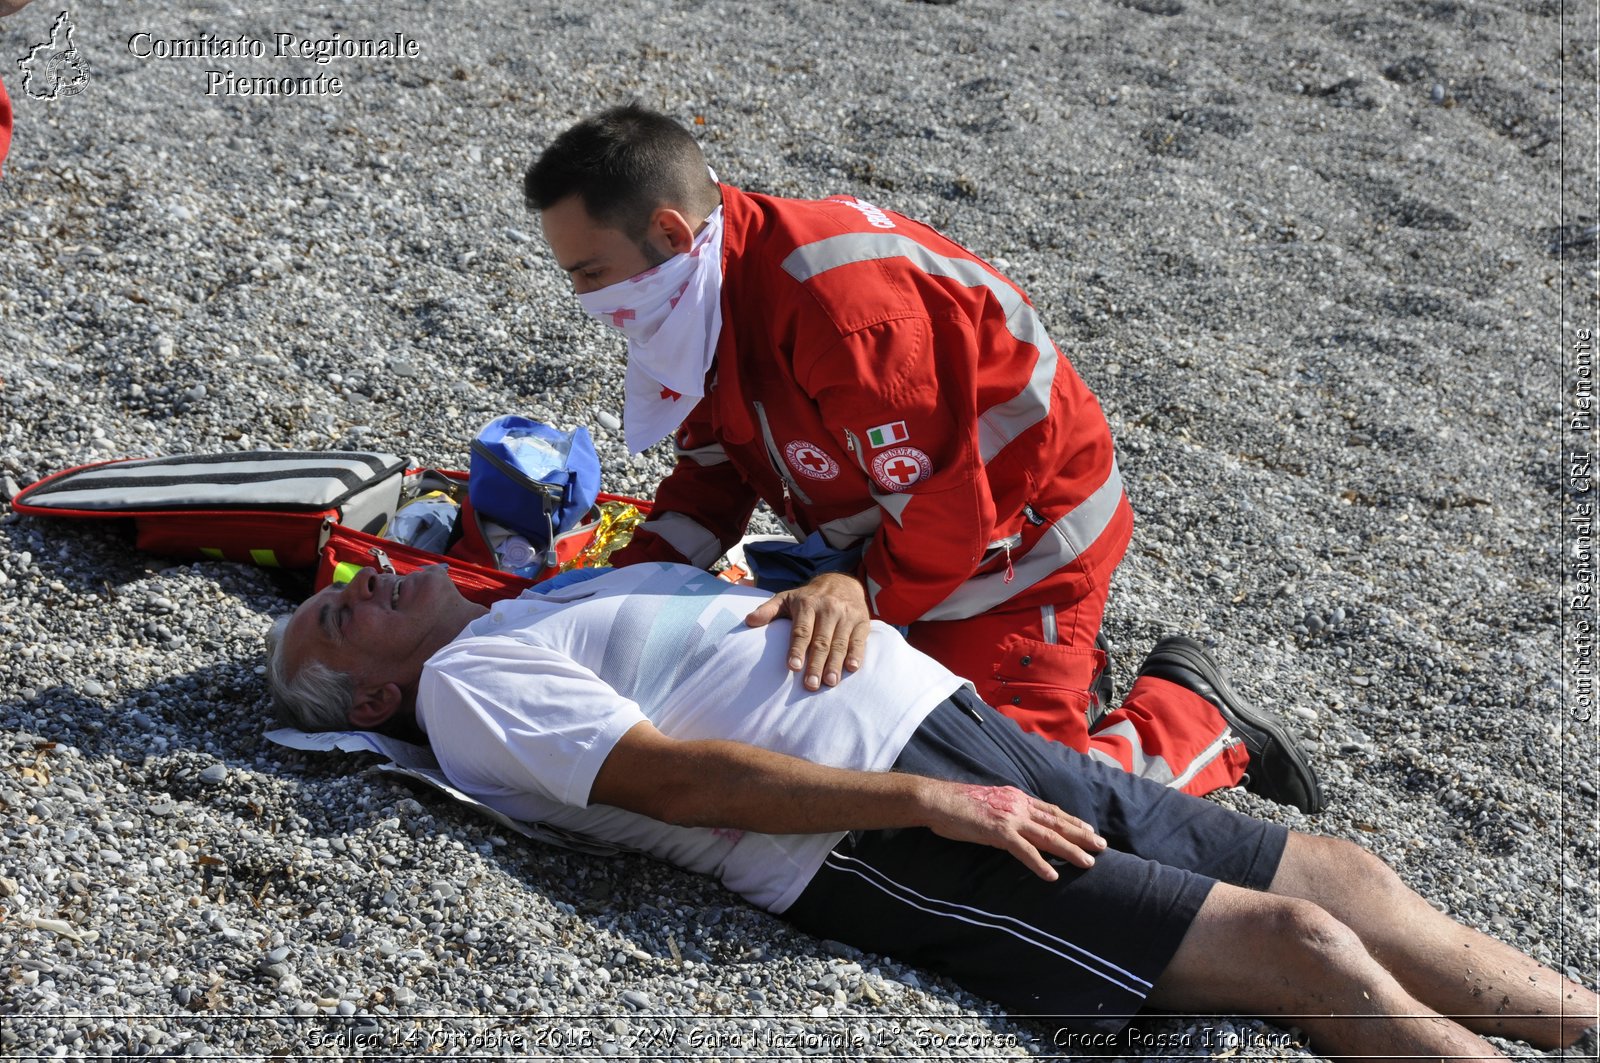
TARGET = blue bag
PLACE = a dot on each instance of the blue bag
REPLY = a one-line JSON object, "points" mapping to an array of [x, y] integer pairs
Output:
{"points": [[535, 479]]}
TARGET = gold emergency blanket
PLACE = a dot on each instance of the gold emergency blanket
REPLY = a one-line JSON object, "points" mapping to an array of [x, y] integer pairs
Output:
{"points": [[613, 531]]}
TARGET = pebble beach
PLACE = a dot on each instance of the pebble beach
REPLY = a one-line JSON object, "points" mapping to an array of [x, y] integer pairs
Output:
{"points": [[1322, 263]]}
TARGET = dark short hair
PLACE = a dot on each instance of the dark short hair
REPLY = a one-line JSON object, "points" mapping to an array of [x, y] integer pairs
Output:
{"points": [[623, 163]]}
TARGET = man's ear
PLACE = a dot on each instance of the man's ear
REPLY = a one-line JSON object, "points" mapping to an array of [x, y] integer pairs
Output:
{"points": [[673, 229], [375, 705]]}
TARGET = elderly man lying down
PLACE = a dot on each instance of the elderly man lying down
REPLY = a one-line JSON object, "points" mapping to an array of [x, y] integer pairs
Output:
{"points": [[900, 814]]}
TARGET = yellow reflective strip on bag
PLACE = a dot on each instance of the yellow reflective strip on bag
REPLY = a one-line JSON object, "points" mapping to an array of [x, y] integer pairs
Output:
{"points": [[344, 572], [212, 552], [264, 558]]}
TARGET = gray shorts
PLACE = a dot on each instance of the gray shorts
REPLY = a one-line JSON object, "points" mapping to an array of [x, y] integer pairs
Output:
{"points": [[1082, 951]]}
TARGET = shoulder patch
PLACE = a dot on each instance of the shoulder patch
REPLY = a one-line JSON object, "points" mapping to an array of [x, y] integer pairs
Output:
{"points": [[808, 459], [898, 468]]}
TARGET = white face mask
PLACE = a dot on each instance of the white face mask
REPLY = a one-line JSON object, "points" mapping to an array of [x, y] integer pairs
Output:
{"points": [[672, 315]]}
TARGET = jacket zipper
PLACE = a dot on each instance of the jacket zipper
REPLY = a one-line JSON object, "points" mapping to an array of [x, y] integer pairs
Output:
{"points": [[854, 446], [791, 490], [1003, 544]]}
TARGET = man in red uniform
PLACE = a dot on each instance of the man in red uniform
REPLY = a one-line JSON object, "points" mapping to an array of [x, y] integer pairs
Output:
{"points": [[884, 388]]}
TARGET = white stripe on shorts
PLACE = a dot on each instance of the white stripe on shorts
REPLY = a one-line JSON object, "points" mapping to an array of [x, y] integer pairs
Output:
{"points": [[1032, 935]]}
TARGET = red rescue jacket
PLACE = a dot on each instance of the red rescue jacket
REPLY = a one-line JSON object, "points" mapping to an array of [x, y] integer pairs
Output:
{"points": [[874, 380]]}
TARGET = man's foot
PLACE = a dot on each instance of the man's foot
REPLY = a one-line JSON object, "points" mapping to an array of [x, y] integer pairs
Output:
{"points": [[1278, 769]]}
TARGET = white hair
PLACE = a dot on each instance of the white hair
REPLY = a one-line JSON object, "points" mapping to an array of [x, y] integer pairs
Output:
{"points": [[315, 697]]}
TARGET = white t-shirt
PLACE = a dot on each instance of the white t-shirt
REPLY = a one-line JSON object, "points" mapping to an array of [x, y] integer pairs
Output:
{"points": [[526, 704]]}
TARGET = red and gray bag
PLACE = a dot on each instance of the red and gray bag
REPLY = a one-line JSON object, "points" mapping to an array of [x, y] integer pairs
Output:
{"points": [[265, 507], [280, 509]]}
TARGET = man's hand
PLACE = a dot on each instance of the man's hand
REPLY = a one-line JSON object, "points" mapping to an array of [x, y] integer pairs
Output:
{"points": [[1007, 818], [831, 622]]}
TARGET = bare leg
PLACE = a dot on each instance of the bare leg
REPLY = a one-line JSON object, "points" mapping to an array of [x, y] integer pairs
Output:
{"points": [[1484, 984], [1290, 960]]}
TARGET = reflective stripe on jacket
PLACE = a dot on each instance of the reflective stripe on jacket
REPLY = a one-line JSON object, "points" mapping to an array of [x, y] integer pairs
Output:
{"points": [[874, 380]]}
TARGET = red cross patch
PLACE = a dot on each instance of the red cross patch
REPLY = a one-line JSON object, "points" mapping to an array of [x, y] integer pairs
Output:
{"points": [[808, 459], [899, 467]]}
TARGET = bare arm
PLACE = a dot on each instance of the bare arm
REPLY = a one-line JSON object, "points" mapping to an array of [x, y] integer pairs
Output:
{"points": [[717, 783]]}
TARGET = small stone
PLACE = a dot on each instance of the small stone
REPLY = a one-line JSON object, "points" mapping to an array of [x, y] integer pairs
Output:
{"points": [[608, 420], [277, 955], [8, 887], [635, 999], [215, 774], [93, 688], [164, 346]]}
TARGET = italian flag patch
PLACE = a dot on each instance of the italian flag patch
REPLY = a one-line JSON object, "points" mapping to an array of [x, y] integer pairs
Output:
{"points": [[886, 434]]}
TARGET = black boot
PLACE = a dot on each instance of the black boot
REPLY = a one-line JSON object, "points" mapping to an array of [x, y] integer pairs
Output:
{"points": [[1279, 769]]}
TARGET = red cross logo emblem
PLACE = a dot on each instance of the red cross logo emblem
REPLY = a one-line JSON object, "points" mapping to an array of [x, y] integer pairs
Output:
{"points": [[902, 471], [668, 393], [620, 317], [808, 459], [899, 467]]}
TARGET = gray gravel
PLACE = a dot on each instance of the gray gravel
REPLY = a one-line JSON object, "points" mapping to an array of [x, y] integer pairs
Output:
{"points": [[1308, 256]]}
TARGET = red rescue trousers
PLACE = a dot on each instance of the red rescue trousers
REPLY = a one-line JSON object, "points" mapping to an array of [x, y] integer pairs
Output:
{"points": [[1037, 665]]}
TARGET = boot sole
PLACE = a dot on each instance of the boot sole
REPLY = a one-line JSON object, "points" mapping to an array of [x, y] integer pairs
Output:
{"points": [[1193, 656]]}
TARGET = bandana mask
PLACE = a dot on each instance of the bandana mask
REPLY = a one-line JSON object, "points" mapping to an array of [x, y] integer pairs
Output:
{"points": [[672, 315]]}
